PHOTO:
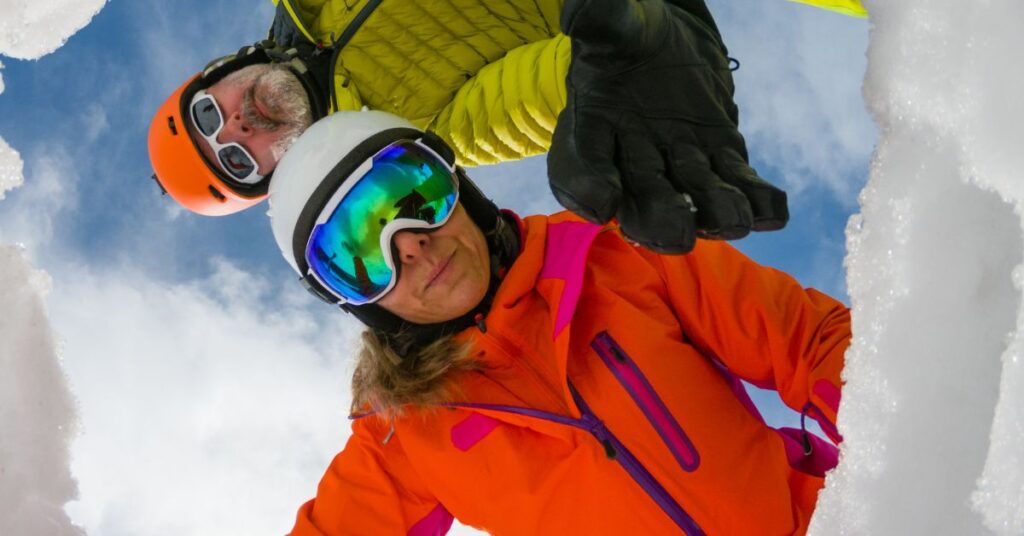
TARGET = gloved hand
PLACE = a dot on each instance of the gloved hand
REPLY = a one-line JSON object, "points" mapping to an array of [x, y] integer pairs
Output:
{"points": [[649, 133]]}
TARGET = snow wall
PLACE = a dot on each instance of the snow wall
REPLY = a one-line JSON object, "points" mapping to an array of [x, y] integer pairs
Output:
{"points": [[37, 413], [932, 408]]}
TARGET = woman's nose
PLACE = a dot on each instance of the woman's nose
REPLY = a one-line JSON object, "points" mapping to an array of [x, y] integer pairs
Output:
{"points": [[410, 245]]}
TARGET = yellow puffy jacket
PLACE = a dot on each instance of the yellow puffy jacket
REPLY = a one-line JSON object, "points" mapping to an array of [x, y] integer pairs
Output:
{"points": [[486, 75]]}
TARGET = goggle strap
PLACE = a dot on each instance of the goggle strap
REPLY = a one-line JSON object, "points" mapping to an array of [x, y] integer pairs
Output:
{"points": [[313, 287], [439, 146], [478, 206]]}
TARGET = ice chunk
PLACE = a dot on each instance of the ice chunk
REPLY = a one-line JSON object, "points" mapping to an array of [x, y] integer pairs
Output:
{"points": [[30, 30]]}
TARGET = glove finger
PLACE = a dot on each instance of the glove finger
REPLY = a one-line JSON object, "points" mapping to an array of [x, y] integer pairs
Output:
{"points": [[581, 169], [767, 202], [652, 213], [723, 212], [603, 22]]}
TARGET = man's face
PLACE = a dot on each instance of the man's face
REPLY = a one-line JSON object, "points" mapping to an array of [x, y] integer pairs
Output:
{"points": [[252, 119], [444, 273]]}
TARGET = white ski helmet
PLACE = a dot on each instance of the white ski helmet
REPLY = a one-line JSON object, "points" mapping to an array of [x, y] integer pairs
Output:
{"points": [[321, 160]]}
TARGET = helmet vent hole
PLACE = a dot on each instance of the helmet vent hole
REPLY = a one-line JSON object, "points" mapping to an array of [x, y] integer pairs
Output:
{"points": [[170, 125], [217, 195]]}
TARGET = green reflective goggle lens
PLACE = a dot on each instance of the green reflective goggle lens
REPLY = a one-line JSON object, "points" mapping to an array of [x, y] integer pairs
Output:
{"points": [[407, 186]]}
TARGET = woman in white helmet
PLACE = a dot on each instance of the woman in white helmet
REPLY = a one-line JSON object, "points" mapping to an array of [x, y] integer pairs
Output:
{"points": [[544, 376]]}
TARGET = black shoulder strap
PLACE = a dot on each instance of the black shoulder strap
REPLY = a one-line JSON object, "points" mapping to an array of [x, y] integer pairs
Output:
{"points": [[284, 29]]}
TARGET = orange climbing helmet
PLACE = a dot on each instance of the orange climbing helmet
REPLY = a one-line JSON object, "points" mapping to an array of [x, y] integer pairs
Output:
{"points": [[180, 168]]}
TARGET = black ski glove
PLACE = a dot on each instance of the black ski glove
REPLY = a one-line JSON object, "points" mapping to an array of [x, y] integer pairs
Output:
{"points": [[649, 132]]}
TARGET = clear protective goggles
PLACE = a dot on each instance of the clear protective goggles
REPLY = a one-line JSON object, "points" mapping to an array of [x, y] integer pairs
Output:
{"points": [[232, 158], [405, 186]]}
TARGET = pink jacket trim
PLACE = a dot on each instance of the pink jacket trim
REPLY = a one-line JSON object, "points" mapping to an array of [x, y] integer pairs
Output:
{"points": [[828, 393], [472, 430], [436, 523], [823, 457], [565, 256]]}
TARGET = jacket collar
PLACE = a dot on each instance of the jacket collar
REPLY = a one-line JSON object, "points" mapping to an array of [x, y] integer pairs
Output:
{"points": [[552, 265]]}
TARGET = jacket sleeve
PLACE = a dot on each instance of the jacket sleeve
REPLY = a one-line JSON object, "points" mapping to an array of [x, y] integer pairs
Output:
{"points": [[762, 325], [371, 488], [854, 8], [509, 109]]}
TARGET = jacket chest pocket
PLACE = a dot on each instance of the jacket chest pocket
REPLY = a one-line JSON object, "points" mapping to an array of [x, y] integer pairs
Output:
{"points": [[646, 398]]}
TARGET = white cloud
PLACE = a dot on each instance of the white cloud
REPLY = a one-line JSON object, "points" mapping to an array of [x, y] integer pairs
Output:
{"points": [[50, 189], [95, 122], [224, 398]]}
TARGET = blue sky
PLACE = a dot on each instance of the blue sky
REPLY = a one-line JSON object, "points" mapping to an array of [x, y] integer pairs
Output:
{"points": [[196, 323]]}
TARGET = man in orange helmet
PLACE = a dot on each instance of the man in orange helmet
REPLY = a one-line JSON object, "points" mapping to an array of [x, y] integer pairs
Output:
{"points": [[217, 139]]}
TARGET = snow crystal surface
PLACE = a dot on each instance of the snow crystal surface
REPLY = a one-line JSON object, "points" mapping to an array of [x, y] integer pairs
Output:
{"points": [[10, 168], [36, 409], [932, 405], [32, 29], [10, 161]]}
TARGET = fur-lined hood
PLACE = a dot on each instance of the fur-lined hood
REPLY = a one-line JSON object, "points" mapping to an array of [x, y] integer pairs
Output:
{"points": [[385, 382]]}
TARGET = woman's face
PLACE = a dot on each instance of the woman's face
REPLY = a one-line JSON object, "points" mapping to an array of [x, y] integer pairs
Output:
{"points": [[443, 274]]}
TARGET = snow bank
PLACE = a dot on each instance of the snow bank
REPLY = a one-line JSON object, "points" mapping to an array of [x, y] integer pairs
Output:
{"points": [[933, 401], [36, 409], [37, 413], [10, 168], [31, 30]]}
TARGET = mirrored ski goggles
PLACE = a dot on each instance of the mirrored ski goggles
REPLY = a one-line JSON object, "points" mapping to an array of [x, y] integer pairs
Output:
{"points": [[232, 158], [404, 186]]}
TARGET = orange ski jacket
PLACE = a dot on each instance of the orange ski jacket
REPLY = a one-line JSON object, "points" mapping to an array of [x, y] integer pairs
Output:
{"points": [[608, 403]]}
